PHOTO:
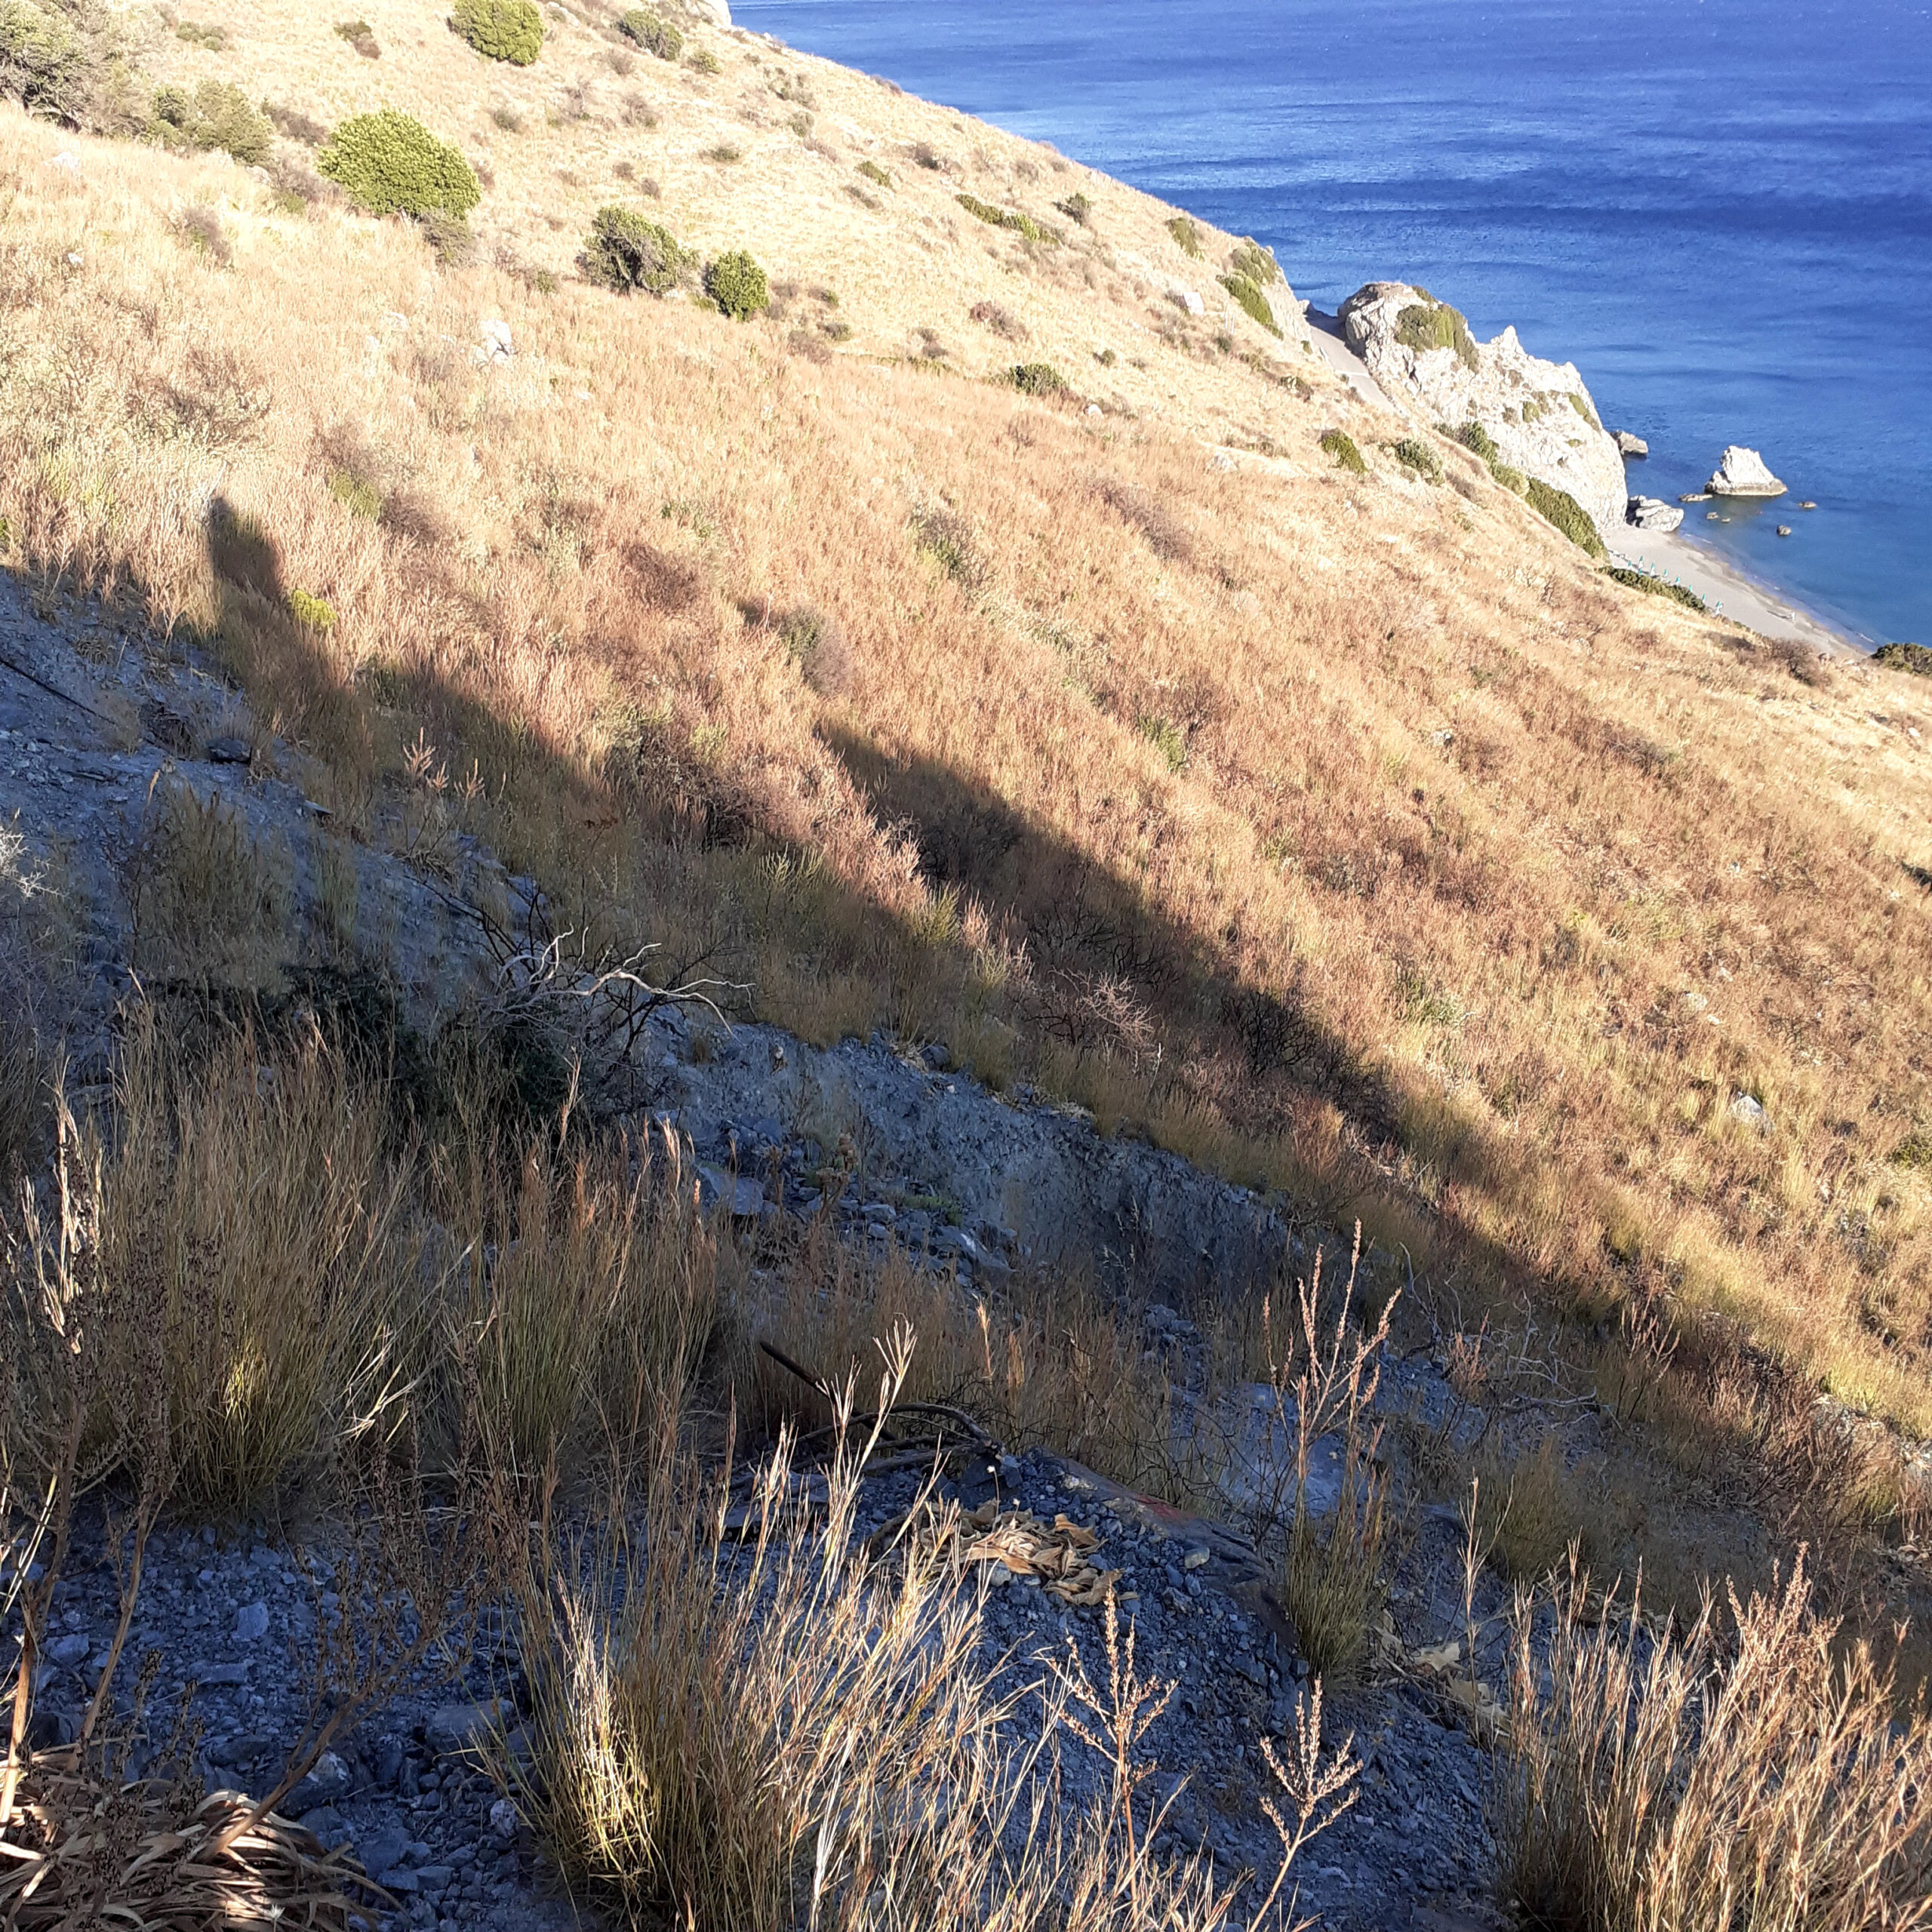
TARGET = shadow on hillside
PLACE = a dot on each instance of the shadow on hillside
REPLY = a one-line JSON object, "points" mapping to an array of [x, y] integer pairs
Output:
{"points": [[1088, 928]]}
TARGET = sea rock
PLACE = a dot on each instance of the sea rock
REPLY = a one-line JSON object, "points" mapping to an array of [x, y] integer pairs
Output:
{"points": [[1539, 414], [1743, 473], [1631, 445], [1653, 513]]}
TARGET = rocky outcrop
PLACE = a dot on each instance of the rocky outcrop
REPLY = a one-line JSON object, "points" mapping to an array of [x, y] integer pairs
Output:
{"points": [[716, 12], [1744, 473], [1653, 513], [1631, 445], [1538, 414]]}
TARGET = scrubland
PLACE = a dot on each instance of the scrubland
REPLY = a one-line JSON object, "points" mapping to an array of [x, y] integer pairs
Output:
{"points": [[1343, 831]]}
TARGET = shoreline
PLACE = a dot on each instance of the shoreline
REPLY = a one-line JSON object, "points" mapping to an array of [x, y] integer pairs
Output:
{"points": [[1739, 598], [1758, 605]]}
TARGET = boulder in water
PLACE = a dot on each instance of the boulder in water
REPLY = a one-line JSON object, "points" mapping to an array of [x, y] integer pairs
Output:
{"points": [[1743, 473], [1631, 445]]}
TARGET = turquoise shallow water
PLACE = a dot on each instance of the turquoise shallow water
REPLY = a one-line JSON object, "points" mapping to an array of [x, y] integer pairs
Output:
{"points": [[1720, 210]]}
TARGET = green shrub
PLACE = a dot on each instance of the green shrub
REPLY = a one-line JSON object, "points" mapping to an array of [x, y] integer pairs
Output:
{"points": [[1187, 236], [1252, 302], [510, 30], [218, 116], [1038, 379], [1913, 657], [1512, 479], [625, 252], [314, 611], [737, 284], [44, 64], [1473, 437], [391, 164], [872, 170], [362, 36], [1166, 738], [1658, 586], [654, 36], [357, 495], [1415, 454], [1430, 325], [1076, 208], [1559, 507], [1258, 263], [998, 217], [1341, 446], [703, 61]]}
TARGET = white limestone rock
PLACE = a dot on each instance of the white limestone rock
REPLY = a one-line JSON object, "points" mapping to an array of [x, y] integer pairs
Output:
{"points": [[1653, 513], [1539, 414], [1743, 473], [1631, 445]]}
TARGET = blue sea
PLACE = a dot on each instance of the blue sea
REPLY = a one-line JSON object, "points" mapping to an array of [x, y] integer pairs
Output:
{"points": [[1720, 210]]}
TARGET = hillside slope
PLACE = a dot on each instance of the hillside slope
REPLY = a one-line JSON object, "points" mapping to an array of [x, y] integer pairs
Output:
{"points": [[1346, 831]]}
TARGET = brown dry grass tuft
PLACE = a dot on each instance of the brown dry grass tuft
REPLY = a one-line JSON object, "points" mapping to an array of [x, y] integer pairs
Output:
{"points": [[1750, 1773]]}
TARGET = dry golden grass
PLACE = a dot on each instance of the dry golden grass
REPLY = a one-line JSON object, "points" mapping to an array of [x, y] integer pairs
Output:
{"points": [[1346, 833], [1748, 1773]]}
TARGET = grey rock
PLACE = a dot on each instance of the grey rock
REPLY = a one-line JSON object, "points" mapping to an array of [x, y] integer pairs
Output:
{"points": [[503, 1818], [1539, 414], [1748, 1110], [329, 1781], [230, 750], [220, 1676], [251, 1623], [453, 1727], [1743, 472], [1631, 445], [1653, 513], [743, 1196], [71, 1649]]}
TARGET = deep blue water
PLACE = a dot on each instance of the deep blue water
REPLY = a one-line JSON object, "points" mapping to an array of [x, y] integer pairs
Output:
{"points": [[1720, 210]]}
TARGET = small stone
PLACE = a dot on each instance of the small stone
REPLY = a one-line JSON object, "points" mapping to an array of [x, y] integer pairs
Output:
{"points": [[452, 1727], [1784, 530], [1196, 1558], [329, 1781], [70, 1649], [230, 750], [220, 1676], [251, 1623], [503, 1818], [1748, 1110]]}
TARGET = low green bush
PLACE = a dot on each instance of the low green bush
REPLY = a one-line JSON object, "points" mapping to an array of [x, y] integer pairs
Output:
{"points": [[510, 30], [1430, 325], [1658, 586], [738, 285], [1512, 479], [998, 217], [44, 64], [872, 170], [1582, 409], [1166, 738], [216, 115], [1252, 302], [1414, 453], [1187, 236], [1258, 263], [1038, 378], [624, 251], [1473, 437], [1559, 507], [316, 612], [1341, 446], [391, 164], [362, 36], [1077, 208], [1916, 658], [653, 35]]}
